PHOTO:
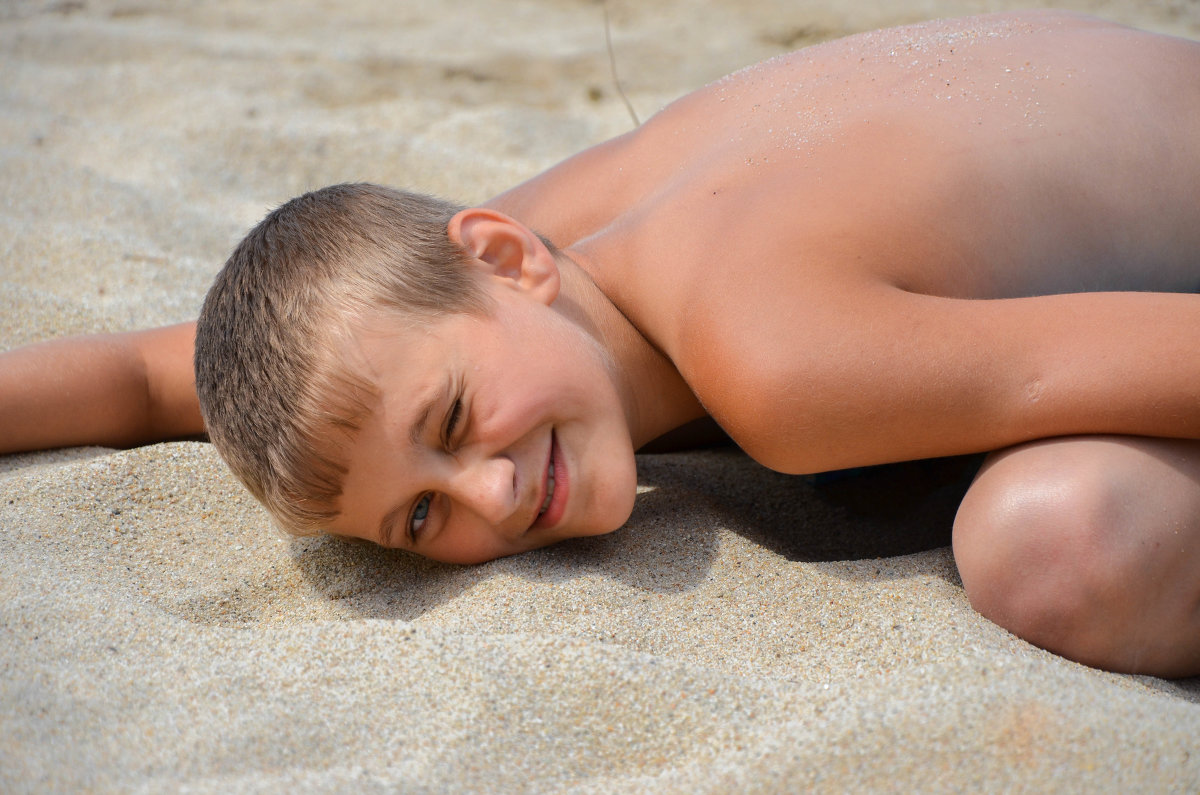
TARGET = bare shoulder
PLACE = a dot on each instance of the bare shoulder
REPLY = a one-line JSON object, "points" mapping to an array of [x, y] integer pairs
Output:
{"points": [[569, 201], [778, 363]]}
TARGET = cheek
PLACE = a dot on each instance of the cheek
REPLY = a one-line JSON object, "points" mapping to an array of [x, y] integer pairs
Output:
{"points": [[541, 390]]}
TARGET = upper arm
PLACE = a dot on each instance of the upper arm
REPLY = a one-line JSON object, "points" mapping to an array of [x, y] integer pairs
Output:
{"points": [[166, 355], [865, 372]]}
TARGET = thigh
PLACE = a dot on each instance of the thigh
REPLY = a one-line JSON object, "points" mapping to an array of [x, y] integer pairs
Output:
{"points": [[1090, 546]]}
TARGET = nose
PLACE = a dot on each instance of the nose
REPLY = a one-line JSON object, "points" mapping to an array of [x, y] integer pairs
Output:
{"points": [[487, 486]]}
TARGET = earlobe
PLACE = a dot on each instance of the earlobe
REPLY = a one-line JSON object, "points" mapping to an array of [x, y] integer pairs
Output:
{"points": [[505, 249]]}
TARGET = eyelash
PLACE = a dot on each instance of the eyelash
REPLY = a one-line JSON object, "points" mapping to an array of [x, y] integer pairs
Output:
{"points": [[452, 420]]}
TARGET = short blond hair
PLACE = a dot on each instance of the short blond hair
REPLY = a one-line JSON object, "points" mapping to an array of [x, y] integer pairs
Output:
{"points": [[275, 394]]}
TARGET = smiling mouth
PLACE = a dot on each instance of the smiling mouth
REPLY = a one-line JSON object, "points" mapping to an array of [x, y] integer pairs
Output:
{"points": [[549, 490], [557, 486]]}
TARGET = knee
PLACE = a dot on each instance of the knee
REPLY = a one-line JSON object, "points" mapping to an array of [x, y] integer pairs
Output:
{"points": [[1036, 555]]}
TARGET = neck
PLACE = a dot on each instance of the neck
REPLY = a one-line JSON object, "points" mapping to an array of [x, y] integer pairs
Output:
{"points": [[655, 396]]}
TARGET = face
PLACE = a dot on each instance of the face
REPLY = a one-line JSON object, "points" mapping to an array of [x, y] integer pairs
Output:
{"points": [[493, 435]]}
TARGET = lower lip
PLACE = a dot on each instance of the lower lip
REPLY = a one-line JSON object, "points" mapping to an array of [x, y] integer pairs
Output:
{"points": [[558, 503]]}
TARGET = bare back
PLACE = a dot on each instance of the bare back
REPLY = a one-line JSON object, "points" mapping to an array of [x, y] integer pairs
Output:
{"points": [[762, 231], [919, 151]]}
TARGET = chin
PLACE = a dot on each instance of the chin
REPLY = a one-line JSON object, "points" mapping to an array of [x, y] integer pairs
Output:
{"points": [[617, 508], [611, 500], [621, 507]]}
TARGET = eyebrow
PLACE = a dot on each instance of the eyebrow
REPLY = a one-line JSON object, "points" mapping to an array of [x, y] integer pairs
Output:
{"points": [[415, 433], [389, 520]]}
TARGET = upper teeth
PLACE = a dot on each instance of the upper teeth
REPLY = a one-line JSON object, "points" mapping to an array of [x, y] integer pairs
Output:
{"points": [[549, 491]]}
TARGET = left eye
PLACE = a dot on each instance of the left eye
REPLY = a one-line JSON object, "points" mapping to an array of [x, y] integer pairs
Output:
{"points": [[419, 515]]}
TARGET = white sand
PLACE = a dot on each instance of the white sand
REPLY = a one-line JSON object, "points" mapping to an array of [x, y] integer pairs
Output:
{"points": [[156, 635]]}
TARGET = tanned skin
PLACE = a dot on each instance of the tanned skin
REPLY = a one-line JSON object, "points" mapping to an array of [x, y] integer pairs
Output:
{"points": [[965, 236]]}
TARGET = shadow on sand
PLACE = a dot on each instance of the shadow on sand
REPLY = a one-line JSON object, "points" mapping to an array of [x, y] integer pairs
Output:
{"points": [[671, 538]]}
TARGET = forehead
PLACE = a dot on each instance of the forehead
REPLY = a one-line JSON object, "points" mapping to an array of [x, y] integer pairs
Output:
{"points": [[384, 342], [408, 381], [372, 366], [381, 343]]}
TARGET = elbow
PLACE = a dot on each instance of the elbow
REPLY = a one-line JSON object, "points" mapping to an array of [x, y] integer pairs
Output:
{"points": [[795, 457], [791, 448], [778, 424]]}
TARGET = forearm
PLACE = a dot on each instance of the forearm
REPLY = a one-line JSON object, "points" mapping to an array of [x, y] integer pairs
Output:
{"points": [[985, 374], [100, 389]]}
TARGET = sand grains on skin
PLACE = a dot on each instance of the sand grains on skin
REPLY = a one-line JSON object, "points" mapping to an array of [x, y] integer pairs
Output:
{"points": [[157, 634]]}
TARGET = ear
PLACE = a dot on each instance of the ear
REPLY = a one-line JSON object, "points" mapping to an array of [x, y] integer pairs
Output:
{"points": [[505, 249]]}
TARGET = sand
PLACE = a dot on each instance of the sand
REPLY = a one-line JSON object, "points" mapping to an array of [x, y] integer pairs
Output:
{"points": [[744, 633]]}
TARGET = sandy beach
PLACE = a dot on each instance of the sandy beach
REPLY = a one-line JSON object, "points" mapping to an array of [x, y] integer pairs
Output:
{"points": [[745, 632]]}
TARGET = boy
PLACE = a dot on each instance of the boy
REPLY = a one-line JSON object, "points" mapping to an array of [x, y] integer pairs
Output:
{"points": [[910, 243]]}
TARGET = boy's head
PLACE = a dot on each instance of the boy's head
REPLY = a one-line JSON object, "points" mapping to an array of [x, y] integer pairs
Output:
{"points": [[325, 356], [273, 389]]}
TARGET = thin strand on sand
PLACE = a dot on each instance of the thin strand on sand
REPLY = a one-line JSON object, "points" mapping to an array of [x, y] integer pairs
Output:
{"points": [[744, 633]]}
